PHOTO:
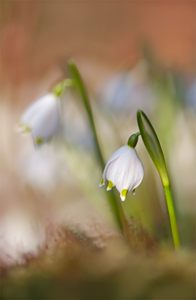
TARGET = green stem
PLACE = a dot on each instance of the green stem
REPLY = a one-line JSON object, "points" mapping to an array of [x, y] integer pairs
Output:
{"points": [[86, 103], [172, 216], [117, 210], [113, 201]]}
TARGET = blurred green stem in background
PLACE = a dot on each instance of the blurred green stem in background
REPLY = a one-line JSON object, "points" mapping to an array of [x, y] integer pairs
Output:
{"points": [[155, 151], [115, 204]]}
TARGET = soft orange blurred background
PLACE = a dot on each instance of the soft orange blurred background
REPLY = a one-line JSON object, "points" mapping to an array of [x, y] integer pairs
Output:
{"points": [[55, 223], [37, 36]]}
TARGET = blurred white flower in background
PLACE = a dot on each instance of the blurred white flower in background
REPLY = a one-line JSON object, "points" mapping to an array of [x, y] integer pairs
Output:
{"points": [[44, 168], [42, 118], [191, 94], [183, 166], [125, 92], [123, 170]]}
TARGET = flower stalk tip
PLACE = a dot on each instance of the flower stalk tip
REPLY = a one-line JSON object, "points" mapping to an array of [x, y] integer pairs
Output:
{"points": [[133, 139], [59, 89]]}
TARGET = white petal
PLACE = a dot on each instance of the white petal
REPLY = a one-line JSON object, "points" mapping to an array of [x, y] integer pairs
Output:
{"points": [[122, 172], [139, 174], [113, 158], [124, 169], [36, 107], [131, 171], [43, 117], [47, 124]]}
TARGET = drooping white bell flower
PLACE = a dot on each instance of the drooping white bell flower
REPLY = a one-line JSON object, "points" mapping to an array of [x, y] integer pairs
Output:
{"points": [[42, 118], [123, 170]]}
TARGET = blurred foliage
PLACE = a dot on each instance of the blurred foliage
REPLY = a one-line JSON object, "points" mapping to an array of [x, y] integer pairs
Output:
{"points": [[112, 273]]}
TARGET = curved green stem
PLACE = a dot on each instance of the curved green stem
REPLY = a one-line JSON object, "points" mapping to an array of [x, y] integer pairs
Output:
{"points": [[172, 215], [86, 103], [113, 201]]}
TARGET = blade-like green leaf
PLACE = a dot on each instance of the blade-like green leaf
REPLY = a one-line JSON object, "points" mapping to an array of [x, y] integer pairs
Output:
{"points": [[152, 144], [155, 151]]}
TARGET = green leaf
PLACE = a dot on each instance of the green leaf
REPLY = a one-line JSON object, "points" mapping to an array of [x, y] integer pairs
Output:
{"points": [[153, 145], [155, 151]]}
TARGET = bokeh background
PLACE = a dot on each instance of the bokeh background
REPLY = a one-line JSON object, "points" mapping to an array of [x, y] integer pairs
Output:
{"points": [[132, 55]]}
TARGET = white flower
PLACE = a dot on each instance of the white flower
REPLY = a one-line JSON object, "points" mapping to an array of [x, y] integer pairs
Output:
{"points": [[123, 170], [42, 118]]}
